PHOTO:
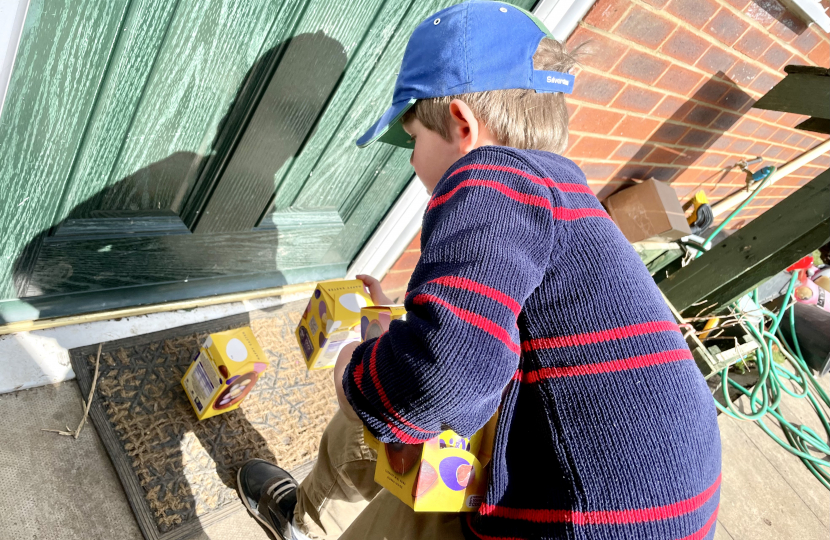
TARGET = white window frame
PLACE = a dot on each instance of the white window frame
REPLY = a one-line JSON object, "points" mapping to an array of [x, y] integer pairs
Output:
{"points": [[12, 17], [810, 10]]}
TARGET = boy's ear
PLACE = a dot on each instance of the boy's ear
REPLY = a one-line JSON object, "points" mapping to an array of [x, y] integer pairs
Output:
{"points": [[463, 126]]}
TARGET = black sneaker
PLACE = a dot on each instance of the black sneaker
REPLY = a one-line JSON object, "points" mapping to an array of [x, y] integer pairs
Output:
{"points": [[270, 494]]}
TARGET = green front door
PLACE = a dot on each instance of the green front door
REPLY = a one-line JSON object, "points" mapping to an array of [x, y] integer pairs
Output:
{"points": [[158, 150]]}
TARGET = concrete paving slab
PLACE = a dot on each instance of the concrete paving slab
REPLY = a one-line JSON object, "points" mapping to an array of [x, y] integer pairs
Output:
{"points": [[239, 525], [757, 502], [55, 487], [792, 470], [58, 488], [721, 533]]}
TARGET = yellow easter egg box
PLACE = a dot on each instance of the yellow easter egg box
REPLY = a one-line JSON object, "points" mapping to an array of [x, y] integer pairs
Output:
{"points": [[374, 320], [224, 372], [445, 474], [331, 321]]}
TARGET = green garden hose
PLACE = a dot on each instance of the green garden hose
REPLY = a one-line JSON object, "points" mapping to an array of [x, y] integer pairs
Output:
{"points": [[773, 383], [708, 242]]}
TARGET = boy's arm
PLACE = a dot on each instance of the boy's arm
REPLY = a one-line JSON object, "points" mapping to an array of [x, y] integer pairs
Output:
{"points": [[488, 234]]}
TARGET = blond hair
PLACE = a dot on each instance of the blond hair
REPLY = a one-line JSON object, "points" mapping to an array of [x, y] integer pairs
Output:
{"points": [[519, 118]]}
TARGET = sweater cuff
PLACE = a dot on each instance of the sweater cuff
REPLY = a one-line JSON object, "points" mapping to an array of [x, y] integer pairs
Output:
{"points": [[352, 388], [354, 381]]}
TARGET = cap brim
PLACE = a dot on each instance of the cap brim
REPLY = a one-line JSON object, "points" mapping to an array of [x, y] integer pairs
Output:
{"points": [[388, 129]]}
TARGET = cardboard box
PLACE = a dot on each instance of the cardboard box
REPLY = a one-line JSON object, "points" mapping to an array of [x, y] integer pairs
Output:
{"points": [[330, 321], [224, 372], [445, 474], [374, 320], [648, 211]]}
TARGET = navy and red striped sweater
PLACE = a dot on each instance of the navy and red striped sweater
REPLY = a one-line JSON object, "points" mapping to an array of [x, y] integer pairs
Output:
{"points": [[528, 296]]}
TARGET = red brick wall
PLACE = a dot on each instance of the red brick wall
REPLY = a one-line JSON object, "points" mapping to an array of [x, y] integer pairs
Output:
{"points": [[665, 90], [395, 282]]}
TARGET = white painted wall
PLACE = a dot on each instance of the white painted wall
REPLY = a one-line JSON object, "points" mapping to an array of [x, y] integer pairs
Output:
{"points": [[12, 15]]}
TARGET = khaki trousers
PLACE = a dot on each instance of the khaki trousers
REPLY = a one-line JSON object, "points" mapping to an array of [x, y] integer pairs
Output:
{"points": [[340, 498]]}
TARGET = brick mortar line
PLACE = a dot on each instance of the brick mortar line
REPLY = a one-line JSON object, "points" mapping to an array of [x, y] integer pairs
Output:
{"points": [[707, 37], [702, 128], [756, 95], [701, 168], [678, 145], [710, 188], [718, 152], [654, 88], [642, 48], [652, 164], [611, 160]]}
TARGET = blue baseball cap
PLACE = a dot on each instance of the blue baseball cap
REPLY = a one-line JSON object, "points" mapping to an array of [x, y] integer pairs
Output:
{"points": [[470, 47]]}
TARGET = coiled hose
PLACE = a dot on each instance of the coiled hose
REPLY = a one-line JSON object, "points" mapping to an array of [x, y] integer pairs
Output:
{"points": [[765, 397]]}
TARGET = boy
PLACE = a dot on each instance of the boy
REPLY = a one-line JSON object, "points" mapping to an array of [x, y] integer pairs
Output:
{"points": [[526, 299]]}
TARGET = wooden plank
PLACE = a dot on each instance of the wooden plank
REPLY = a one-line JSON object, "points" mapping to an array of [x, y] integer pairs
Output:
{"points": [[806, 93], [63, 54], [786, 232], [342, 155], [232, 125], [295, 96], [120, 227], [94, 262], [818, 125]]}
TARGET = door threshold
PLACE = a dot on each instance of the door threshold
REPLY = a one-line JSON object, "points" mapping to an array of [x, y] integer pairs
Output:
{"points": [[36, 353]]}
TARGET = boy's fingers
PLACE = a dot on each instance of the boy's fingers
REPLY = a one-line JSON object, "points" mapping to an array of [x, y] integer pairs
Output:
{"points": [[366, 279]]}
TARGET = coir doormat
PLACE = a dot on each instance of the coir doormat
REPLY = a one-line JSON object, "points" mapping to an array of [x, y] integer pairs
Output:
{"points": [[180, 474]]}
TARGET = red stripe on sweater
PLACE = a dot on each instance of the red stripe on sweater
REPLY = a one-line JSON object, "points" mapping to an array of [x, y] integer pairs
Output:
{"points": [[547, 182], [358, 377], [571, 214], [625, 364], [587, 338], [373, 371], [473, 318], [405, 437], [489, 292], [559, 212], [603, 517], [703, 531], [524, 198]]}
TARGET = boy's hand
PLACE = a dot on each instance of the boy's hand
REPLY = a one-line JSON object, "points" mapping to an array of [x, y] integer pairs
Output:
{"points": [[343, 360], [375, 291]]}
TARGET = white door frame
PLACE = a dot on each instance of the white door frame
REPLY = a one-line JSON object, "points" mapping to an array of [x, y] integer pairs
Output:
{"points": [[12, 16]]}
